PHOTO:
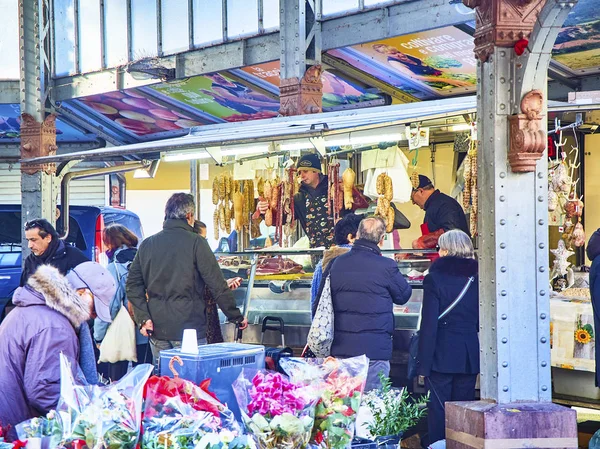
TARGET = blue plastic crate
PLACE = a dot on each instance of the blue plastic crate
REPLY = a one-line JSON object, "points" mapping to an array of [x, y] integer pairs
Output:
{"points": [[221, 362]]}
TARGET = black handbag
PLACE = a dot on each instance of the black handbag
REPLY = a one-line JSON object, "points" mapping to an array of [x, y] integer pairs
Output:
{"points": [[413, 346]]}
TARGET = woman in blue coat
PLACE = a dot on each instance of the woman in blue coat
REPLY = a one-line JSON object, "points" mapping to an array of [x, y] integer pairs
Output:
{"points": [[449, 348], [593, 253]]}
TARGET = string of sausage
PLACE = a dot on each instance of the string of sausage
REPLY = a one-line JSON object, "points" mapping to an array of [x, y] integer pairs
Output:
{"points": [[279, 232], [333, 192]]}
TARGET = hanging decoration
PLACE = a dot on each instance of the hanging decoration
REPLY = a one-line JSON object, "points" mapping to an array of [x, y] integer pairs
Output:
{"points": [[385, 190], [470, 198]]}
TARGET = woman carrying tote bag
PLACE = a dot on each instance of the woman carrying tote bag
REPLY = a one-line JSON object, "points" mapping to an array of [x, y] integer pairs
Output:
{"points": [[448, 353]]}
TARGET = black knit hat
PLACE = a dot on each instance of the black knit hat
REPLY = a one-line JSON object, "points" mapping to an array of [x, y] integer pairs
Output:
{"points": [[310, 162]]}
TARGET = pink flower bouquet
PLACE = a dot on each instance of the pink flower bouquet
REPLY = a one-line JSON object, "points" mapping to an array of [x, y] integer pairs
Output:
{"points": [[276, 412]]}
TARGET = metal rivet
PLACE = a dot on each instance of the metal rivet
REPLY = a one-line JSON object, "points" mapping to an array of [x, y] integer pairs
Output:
{"points": [[540, 222], [503, 269], [543, 340], [491, 116], [502, 198], [543, 316], [541, 199], [542, 269], [504, 316], [505, 388], [544, 364], [503, 222], [541, 246], [505, 364], [502, 245], [502, 107], [502, 175], [504, 293], [544, 388], [493, 304], [540, 175], [502, 80], [542, 292], [505, 340]]}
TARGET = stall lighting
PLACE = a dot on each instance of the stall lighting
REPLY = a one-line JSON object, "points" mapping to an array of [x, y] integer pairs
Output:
{"points": [[462, 127], [190, 155], [202, 154], [364, 140]]}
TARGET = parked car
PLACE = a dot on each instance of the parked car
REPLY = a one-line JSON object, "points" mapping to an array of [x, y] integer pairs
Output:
{"points": [[86, 225]]}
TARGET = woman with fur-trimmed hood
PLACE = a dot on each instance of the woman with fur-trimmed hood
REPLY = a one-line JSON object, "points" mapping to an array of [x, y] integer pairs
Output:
{"points": [[49, 318]]}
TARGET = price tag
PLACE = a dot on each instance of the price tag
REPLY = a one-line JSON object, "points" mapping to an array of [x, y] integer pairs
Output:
{"points": [[561, 229]]}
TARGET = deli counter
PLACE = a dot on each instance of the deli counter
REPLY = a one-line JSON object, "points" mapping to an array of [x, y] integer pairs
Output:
{"points": [[278, 284]]}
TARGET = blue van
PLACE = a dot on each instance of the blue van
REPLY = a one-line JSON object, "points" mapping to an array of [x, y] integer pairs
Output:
{"points": [[86, 225]]}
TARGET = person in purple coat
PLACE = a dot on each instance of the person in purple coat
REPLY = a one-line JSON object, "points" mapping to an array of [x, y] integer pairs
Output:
{"points": [[49, 318]]}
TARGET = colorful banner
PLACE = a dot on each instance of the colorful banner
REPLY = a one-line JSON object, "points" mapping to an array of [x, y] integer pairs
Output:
{"points": [[138, 114], [426, 65], [10, 126], [336, 91], [578, 43], [221, 97]]}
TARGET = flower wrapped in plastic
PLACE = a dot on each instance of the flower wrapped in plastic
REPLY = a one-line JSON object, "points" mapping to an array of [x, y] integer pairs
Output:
{"points": [[276, 412], [3, 432], [102, 416], [179, 414], [342, 382], [47, 429]]}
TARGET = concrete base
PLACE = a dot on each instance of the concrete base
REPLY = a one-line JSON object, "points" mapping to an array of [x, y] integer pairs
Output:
{"points": [[484, 425]]}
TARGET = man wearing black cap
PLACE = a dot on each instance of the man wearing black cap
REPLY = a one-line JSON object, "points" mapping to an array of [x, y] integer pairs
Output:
{"points": [[442, 213], [310, 203]]}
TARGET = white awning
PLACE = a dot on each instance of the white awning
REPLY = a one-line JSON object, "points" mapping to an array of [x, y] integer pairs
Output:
{"points": [[297, 127]]}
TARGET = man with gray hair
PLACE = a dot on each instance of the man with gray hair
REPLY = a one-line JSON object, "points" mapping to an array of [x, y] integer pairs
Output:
{"points": [[167, 278], [364, 288]]}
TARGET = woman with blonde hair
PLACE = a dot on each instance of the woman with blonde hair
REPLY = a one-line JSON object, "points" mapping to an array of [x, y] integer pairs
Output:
{"points": [[448, 354], [121, 246]]}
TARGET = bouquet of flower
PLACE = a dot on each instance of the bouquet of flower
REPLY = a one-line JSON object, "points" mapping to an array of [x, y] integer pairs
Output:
{"points": [[276, 412], [3, 432], [342, 382], [102, 416], [179, 414], [47, 429]]}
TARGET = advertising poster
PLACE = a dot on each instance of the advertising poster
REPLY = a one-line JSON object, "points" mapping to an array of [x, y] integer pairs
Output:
{"points": [[221, 97], [138, 114], [578, 43], [10, 126], [427, 65], [336, 91]]}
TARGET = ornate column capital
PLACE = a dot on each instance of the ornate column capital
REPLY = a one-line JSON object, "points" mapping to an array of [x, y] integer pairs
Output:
{"points": [[303, 96], [502, 23], [37, 140]]}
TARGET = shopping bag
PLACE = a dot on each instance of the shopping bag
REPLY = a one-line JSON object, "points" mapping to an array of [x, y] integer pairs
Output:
{"points": [[320, 335], [413, 352], [119, 343]]}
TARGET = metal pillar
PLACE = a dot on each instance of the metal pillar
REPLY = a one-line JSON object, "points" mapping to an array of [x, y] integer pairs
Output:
{"points": [[513, 232], [38, 131], [301, 89]]}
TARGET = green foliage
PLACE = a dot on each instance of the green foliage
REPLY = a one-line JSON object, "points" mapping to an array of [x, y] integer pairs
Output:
{"points": [[394, 411]]}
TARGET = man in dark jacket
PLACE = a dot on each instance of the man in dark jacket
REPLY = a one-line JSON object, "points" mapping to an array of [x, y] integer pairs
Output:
{"points": [[364, 288], [310, 203], [49, 319], [48, 249], [593, 253], [442, 213], [167, 279]]}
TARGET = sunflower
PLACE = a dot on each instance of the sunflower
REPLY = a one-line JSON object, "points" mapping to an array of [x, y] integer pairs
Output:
{"points": [[582, 336]]}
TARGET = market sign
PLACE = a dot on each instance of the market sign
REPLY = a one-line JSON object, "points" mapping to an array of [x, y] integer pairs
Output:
{"points": [[221, 97], [577, 46], [337, 92], [10, 126], [427, 65]]}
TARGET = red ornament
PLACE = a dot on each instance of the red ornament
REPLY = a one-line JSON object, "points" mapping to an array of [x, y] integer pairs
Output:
{"points": [[18, 444], [520, 46]]}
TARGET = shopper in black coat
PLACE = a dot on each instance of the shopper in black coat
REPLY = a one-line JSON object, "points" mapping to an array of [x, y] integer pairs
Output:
{"points": [[593, 253], [449, 348], [364, 288]]}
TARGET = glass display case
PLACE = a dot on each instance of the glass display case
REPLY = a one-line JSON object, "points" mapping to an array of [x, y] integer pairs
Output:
{"points": [[278, 284]]}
